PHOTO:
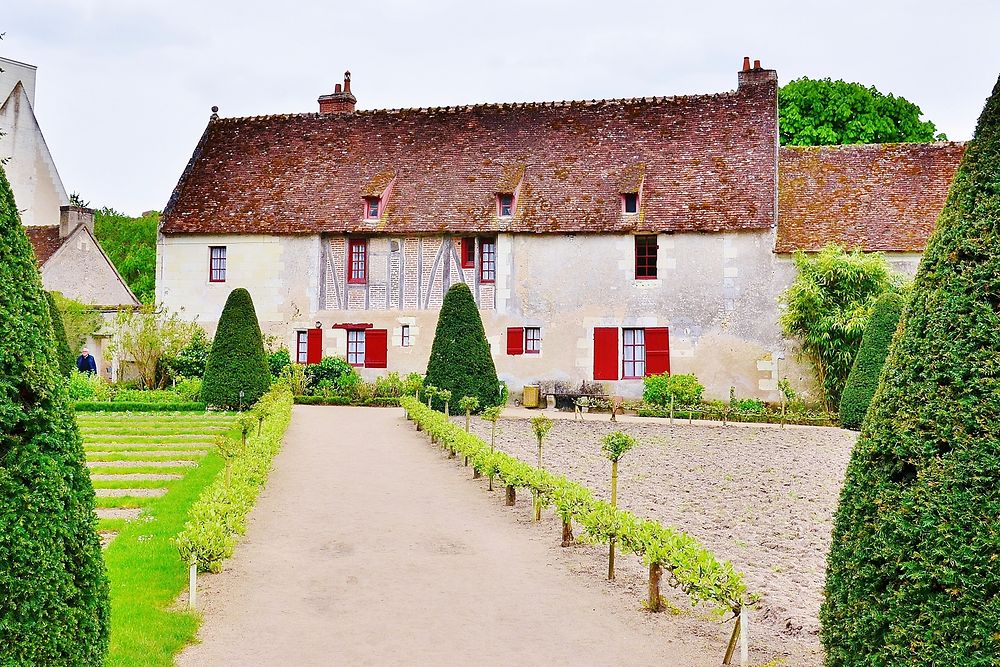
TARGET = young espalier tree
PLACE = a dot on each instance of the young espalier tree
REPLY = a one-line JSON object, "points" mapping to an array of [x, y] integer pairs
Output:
{"points": [[468, 405], [54, 607], [615, 446], [913, 575], [492, 415], [540, 425]]}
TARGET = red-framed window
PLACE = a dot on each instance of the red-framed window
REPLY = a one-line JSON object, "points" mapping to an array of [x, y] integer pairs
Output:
{"points": [[356, 347], [505, 205], [487, 260], [645, 257], [217, 264], [405, 336], [633, 353], [301, 346], [357, 261], [532, 340], [468, 253], [372, 208], [630, 202]]}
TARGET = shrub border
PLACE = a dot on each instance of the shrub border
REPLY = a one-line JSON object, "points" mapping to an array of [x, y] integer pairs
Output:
{"points": [[376, 402]]}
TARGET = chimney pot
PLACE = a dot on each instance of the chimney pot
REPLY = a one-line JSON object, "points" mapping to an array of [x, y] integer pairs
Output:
{"points": [[341, 100], [746, 63], [756, 64], [347, 82], [336, 88]]}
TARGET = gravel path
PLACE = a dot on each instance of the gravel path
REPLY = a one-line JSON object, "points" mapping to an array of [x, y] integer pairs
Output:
{"points": [[759, 496], [370, 547]]}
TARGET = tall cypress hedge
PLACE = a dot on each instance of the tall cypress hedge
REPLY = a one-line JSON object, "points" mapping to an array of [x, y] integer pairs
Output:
{"points": [[53, 586], [913, 575], [237, 361], [863, 378], [64, 356], [460, 360]]}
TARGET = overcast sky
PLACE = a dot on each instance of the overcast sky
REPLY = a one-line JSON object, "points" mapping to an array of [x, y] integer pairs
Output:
{"points": [[125, 87]]}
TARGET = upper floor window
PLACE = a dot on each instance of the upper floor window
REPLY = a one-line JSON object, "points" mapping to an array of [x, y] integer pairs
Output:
{"points": [[505, 205], [630, 201], [487, 260], [532, 340], [357, 260], [468, 253], [217, 264], [645, 257], [371, 208]]}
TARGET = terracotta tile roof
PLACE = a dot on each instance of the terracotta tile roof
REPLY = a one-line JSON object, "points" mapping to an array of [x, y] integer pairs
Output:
{"points": [[45, 241], [707, 163], [877, 197]]}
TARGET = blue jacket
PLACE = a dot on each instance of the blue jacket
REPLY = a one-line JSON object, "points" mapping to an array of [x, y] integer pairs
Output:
{"points": [[86, 365]]}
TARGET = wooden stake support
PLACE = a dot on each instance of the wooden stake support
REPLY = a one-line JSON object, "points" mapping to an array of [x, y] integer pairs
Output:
{"points": [[193, 584], [740, 634], [511, 495]]}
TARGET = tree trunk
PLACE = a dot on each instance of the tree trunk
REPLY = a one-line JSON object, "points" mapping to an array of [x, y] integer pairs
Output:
{"points": [[476, 474], [490, 488], [467, 422], [567, 535], [511, 495], [451, 454], [655, 601], [466, 460], [614, 503], [536, 503], [419, 427], [611, 560]]}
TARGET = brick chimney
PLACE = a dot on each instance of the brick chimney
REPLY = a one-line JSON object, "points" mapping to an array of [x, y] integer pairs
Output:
{"points": [[341, 101], [756, 74], [71, 217]]}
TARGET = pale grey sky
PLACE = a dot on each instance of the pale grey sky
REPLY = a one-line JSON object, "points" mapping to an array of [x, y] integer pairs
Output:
{"points": [[125, 87]]}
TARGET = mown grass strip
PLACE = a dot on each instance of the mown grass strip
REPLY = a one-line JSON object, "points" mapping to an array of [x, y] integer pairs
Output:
{"points": [[196, 437], [146, 447], [122, 470], [111, 525], [133, 483], [147, 576], [145, 456], [123, 502]]}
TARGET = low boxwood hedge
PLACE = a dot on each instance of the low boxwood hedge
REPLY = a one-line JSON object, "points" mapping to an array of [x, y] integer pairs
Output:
{"points": [[375, 402]]}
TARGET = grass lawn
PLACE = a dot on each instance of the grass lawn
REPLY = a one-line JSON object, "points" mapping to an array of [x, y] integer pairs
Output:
{"points": [[144, 568]]}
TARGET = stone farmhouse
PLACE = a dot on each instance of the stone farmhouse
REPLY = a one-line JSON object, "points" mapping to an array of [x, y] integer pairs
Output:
{"points": [[603, 240], [69, 257]]}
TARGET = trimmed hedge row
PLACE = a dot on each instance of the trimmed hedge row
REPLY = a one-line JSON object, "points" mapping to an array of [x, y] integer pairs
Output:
{"points": [[218, 517], [375, 402], [125, 406], [691, 567]]}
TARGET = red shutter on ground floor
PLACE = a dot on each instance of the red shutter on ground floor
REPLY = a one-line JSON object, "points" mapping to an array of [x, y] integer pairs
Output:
{"points": [[605, 353], [515, 340], [376, 348], [314, 346], [657, 350]]}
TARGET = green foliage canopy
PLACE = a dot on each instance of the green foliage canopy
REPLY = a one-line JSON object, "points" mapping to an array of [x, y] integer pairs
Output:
{"points": [[912, 576], [460, 359], [820, 112], [686, 390], [131, 245], [53, 588], [237, 361], [864, 376], [827, 308], [64, 356]]}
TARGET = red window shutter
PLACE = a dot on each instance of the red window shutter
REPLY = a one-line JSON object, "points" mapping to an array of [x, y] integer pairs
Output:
{"points": [[657, 350], [605, 353], [376, 348], [515, 340], [314, 346]]}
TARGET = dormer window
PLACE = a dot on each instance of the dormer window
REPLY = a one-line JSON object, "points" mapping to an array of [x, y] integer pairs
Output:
{"points": [[505, 205], [630, 202], [372, 208]]}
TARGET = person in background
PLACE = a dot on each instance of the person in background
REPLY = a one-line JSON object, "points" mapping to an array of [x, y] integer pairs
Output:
{"points": [[86, 363]]}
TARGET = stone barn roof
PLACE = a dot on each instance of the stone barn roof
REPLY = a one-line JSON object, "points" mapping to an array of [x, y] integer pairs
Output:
{"points": [[877, 197], [700, 163]]}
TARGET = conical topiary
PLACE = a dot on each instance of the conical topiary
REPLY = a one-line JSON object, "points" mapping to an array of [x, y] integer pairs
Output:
{"points": [[237, 361], [863, 378], [53, 586], [913, 575], [64, 357], [460, 356]]}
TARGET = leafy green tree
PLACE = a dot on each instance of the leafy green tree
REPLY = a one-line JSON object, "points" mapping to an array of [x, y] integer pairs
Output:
{"points": [[79, 321], [131, 246], [827, 307], [818, 112], [146, 337], [237, 363], [863, 378], [191, 360], [913, 575], [64, 356], [615, 446], [460, 359], [53, 587]]}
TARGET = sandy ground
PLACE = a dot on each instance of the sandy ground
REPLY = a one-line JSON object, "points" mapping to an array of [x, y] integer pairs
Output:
{"points": [[369, 546], [757, 495]]}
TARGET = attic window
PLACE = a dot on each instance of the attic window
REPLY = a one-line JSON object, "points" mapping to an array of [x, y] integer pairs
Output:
{"points": [[371, 208], [630, 202], [505, 205]]}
